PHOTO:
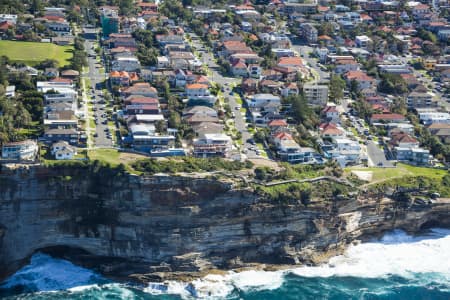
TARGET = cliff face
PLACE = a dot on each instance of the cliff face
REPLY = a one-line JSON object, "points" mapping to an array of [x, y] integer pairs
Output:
{"points": [[148, 228]]}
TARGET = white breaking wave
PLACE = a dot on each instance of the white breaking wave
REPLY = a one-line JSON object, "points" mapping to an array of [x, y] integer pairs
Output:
{"points": [[45, 273], [220, 286], [396, 254]]}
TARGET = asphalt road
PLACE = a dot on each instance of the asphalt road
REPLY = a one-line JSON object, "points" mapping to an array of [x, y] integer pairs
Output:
{"points": [[303, 51], [101, 138], [227, 82], [376, 156]]}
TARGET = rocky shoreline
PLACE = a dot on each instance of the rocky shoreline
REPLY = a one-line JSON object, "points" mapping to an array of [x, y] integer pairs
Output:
{"points": [[179, 228]]}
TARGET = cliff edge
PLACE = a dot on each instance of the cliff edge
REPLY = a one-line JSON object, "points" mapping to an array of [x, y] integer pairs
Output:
{"points": [[158, 227]]}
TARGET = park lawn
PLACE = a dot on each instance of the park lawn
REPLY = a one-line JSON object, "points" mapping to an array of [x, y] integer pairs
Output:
{"points": [[384, 174], [113, 157], [110, 156], [32, 53]]}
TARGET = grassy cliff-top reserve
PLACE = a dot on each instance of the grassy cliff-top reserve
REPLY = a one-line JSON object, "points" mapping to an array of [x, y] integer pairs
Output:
{"points": [[32, 53]]}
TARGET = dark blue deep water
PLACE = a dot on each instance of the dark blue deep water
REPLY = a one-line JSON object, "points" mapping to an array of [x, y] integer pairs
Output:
{"points": [[396, 267]]}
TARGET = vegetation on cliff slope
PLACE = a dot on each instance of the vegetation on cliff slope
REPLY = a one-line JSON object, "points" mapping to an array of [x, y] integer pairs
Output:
{"points": [[422, 183], [188, 165]]}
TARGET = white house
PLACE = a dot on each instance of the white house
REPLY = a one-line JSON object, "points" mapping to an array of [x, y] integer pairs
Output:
{"points": [[213, 144], [346, 151], [434, 117], [260, 100], [163, 62], [25, 150], [197, 90], [362, 41], [331, 113], [62, 150], [126, 63]]}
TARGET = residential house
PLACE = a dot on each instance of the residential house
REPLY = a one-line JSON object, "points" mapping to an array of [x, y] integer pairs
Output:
{"points": [[316, 94], [10, 91], [239, 69], [272, 74], [294, 62], [416, 156], [302, 8], [162, 62], [59, 27], [197, 90], [122, 78], [24, 150], [66, 98], [249, 85], [387, 118], [309, 32], [346, 151], [128, 63], [69, 135], [442, 131], [212, 145], [364, 81], [141, 89], [420, 10], [269, 86], [254, 71], [344, 65], [262, 100], [62, 150], [277, 125], [420, 100], [70, 74], [428, 118], [403, 140], [181, 60], [363, 41], [143, 138], [289, 89], [331, 114], [196, 115], [331, 131]]}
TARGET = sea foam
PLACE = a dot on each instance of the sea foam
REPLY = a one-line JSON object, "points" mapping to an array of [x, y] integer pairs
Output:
{"points": [[45, 273], [395, 254]]}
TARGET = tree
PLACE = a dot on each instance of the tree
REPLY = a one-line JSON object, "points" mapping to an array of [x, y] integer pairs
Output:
{"points": [[337, 86], [160, 126], [36, 6], [48, 63], [33, 101], [354, 88], [393, 84], [302, 112], [325, 28]]}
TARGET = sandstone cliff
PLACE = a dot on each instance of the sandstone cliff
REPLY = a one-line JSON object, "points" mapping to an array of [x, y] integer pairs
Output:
{"points": [[151, 228]]}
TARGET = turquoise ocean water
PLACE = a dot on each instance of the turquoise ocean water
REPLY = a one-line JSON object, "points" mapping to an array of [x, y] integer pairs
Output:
{"points": [[398, 266]]}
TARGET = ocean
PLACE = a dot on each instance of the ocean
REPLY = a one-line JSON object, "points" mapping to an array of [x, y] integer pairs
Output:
{"points": [[398, 266]]}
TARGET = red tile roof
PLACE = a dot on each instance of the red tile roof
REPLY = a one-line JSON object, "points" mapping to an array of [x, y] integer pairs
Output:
{"points": [[277, 123]]}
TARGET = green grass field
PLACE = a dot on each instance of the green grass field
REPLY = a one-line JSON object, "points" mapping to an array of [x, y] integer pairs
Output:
{"points": [[110, 156], [385, 174], [32, 53]]}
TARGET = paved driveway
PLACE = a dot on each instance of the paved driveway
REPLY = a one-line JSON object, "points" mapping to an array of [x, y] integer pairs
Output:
{"points": [[376, 156]]}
